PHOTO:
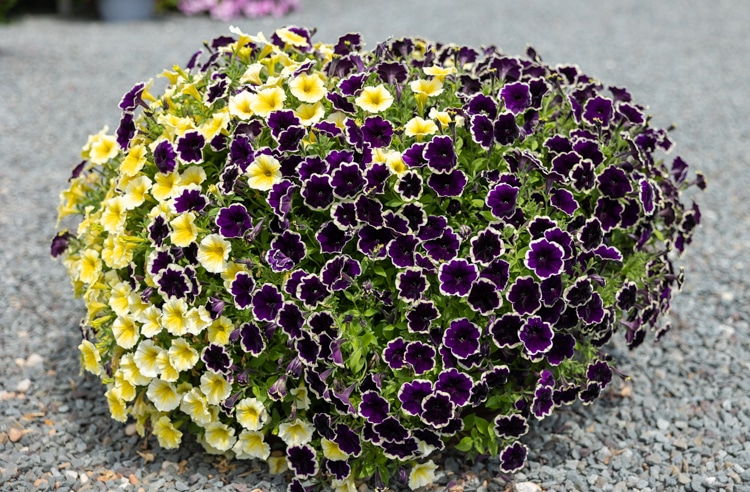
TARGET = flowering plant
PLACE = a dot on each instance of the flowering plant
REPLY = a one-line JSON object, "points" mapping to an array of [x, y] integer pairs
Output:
{"points": [[355, 258], [229, 9]]}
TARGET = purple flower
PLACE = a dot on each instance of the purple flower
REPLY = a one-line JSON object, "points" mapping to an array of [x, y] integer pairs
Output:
{"points": [[438, 409], [598, 111], [228, 179], [291, 138], [287, 250], [525, 295], [311, 290], [462, 338], [352, 84], [448, 184], [483, 297], [374, 407], [482, 104], [409, 186], [593, 311], [369, 211], [412, 394], [591, 234], [497, 272], [401, 250], [165, 157], [440, 154], [339, 273], [377, 132], [510, 426], [536, 336], [583, 175], [627, 296], [646, 195], [373, 241], [233, 221], [190, 146], [125, 131], [132, 99], [317, 192], [544, 258], [308, 349], [158, 230], [609, 213], [600, 372], [290, 320], [502, 200], [456, 277], [377, 175], [391, 430], [280, 197], [312, 165], [421, 316], [267, 302], [564, 200], [420, 356], [414, 155], [173, 282], [517, 97], [411, 284], [505, 128], [614, 183], [394, 352], [344, 215], [348, 440], [347, 181], [542, 404], [216, 358], [433, 227], [482, 131], [302, 460], [486, 246], [513, 457], [251, 339], [609, 253], [552, 288], [456, 384], [392, 72], [191, 199], [278, 121], [241, 152]]}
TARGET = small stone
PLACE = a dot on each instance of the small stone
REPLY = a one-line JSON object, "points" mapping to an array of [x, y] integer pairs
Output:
{"points": [[683, 478], [526, 487], [14, 434], [23, 385], [34, 360], [662, 424]]}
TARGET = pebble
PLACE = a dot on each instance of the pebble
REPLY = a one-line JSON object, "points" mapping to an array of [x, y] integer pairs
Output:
{"points": [[526, 487], [23, 385]]}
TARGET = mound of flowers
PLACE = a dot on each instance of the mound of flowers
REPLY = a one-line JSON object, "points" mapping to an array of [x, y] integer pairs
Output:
{"points": [[340, 261]]}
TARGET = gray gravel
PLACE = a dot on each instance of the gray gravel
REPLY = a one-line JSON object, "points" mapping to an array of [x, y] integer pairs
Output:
{"points": [[681, 423]]}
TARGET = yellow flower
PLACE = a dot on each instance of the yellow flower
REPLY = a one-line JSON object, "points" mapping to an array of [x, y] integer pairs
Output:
{"points": [[346, 485], [123, 387], [309, 114], [267, 100], [150, 317], [430, 87], [250, 444], [192, 176], [146, 358], [422, 474], [251, 414], [117, 251], [103, 148], [215, 387], [163, 395], [134, 160], [264, 172], [114, 215], [174, 316], [374, 99], [291, 38], [130, 371], [135, 192], [213, 253], [308, 88], [125, 331], [419, 127], [439, 72], [166, 370], [91, 357], [182, 355], [166, 433], [442, 116], [184, 230], [337, 118], [166, 185], [252, 74], [220, 436], [119, 298], [277, 465], [220, 330], [174, 127], [301, 398], [332, 451], [219, 121], [240, 105], [194, 404], [117, 408], [198, 320], [396, 163], [296, 433]]}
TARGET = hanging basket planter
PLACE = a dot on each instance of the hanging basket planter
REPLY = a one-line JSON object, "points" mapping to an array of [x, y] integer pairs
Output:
{"points": [[356, 258]]}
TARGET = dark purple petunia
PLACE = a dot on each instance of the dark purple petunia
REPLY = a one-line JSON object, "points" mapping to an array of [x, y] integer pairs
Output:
{"points": [[391, 430], [241, 288], [190, 200], [583, 176], [536, 336], [542, 404], [340, 470], [443, 248], [415, 216], [60, 243], [559, 144], [173, 282], [420, 356], [505, 331], [369, 211], [462, 338], [311, 290], [482, 104], [328, 128], [347, 181], [564, 163], [233, 221], [513, 457], [600, 372], [392, 72], [287, 250], [593, 311], [125, 130], [352, 84], [609, 253], [563, 347], [280, 197], [456, 277], [421, 316], [278, 121], [373, 407], [591, 234], [401, 451], [598, 111], [302, 460], [159, 261], [216, 358], [505, 129], [312, 165], [627, 296], [190, 146], [158, 230], [552, 289], [373, 241], [291, 138], [588, 148], [377, 175], [563, 200], [486, 246], [609, 213], [440, 154], [290, 320], [496, 376], [228, 179], [517, 97], [241, 152], [497, 272], [544, 258], [614, 183], [317, 192], [590, 393], [567, 395], [308, 349], [414, 155], [354, 135], [456, 384], [483, 297], [525, 295], [433, 227], [510, 426], [482, 131], [267, 302], [646, 195], [344, 215], [132, 99], [348, 440], [412, 394], [377, 132], [339, 273], [411, 284], [216, 91], [401, 250], [438, 409], [394, 352], [540, 225], [579, 293], [341, 103], [165, 157], [409, 186], [502, 200]]}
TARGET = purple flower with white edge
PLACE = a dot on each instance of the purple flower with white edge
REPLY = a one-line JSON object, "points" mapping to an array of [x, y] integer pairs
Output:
{"points": [[609, 213], [302, 461], [505, 129], [412, 394], [394, 352], [267, 302], [280, 197], [513, 457], [401, 250], [497, 272], [332, 239], [287, 250], [462, 338], [414, 155], [190, 200], [564, 200], [525, 295], [233, 221], [377, 132], [583, 176], [374, 407], [482, 131], [502, 200], [517, 97], [440, 154], [456, 277], [344, 215], [216, 358], [608, 253], [251, 339], [563, 347], [125, 131], [311, 290], [598, 111], [542, 404], [278, 121], [291, 138], [165, 158], [190, 146], [600, 372], [614, 183], [482, 104], [421, 315], [317, 192], [456, 384], [377, 175], [593, 311], [173, 282], [483, 297], [312, 165], [347, 181], [290, 320], [411, 284], [438, 409], [308, 349], [510, 426], [158, 230], [647, 196], [627, 295], [339, 273], [369, 211], [552, 289], [409, 186], [391, 430], [486, 246], [544, 258], [420, 356], [591, 234], [348, 440], [132, 99], [536, 336], [448, 184]]}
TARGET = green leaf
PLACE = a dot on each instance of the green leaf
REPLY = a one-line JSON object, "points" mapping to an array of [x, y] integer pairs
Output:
{"points": [[379, 270], [395, 203], [477, 203], [465, 444]]}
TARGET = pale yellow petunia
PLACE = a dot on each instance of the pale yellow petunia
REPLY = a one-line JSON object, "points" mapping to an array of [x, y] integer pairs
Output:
{"points": [[151, 323], [250, 444], [213, 253], [240, 105], [419, 127], [134, 160], [192, 176], [332, 451], [194, 404], [103, 148], [264, 172], [291, 38], [308, 88], [114, 215], [136, 192], [184, 231], [146, 358], [182, 355], [251, 414], [374, 99], [125, 331], [439, 72], [166, 433], [117, 407], [92, 359], [215, 387], [220, 436], [422, 474], [163, 395], [174, 316], [296, 433], [166, 185], [265, 101], [219, 331], [309, 114]]}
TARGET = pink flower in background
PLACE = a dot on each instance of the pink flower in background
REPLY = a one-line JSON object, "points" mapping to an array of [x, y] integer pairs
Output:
{"points": [[226, 10]]}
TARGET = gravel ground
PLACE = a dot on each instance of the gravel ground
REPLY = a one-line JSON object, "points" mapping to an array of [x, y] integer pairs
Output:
{"points": [[681, 423]]}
